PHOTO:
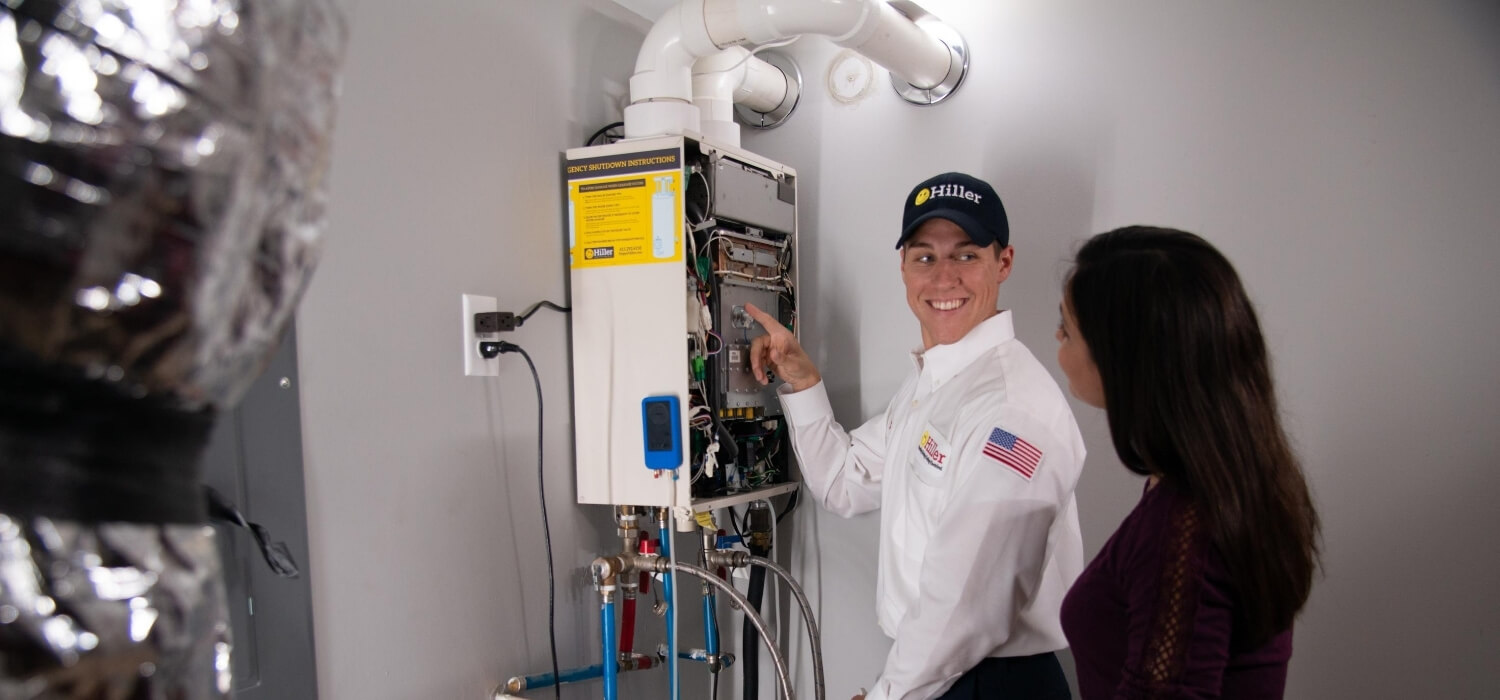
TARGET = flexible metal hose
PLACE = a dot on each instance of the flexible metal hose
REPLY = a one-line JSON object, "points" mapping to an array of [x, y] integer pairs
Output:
{"points": [[760, 625], [815, 640]]}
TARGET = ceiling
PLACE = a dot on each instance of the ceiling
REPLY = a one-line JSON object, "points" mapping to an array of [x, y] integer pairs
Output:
{"points": [[648, 9]]}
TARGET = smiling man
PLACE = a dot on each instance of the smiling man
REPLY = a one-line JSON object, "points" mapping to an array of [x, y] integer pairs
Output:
{"points": [[973, 466]]}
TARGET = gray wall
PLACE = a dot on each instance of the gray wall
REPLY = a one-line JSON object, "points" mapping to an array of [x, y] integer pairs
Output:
{"points": [[1343, 154], [1346, 156], [430, 577]]}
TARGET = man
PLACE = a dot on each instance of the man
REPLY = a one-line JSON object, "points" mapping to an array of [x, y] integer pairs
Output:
{"points": [[973, 465]]}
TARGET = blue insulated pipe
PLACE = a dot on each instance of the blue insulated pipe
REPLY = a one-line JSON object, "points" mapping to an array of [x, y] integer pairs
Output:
{"points": [[611, 655], [666, 585], [572, 675], [710, 625]]}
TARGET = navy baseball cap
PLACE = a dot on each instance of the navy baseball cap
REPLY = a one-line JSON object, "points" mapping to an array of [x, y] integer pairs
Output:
{"points": [[963, 199]]}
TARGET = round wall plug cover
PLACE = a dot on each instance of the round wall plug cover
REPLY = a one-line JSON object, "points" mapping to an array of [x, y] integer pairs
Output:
{"points": [[851, 77]]}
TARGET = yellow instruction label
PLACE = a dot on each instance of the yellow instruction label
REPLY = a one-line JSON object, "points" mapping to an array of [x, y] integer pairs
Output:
{"points": [[628, 219]]}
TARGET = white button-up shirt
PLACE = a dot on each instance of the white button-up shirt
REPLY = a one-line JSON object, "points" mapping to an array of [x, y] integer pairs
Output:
{"points": [[973, 466]]}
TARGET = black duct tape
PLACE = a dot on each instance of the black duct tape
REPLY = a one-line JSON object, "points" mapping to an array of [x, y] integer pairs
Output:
{"points": [[83, 450]]}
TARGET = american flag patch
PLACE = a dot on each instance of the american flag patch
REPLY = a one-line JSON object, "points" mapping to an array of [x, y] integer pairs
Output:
{"points": [[1022, 457]]}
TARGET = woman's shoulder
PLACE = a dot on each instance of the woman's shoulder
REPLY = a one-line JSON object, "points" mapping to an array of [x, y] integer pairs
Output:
{"points": [[1164, 525]]}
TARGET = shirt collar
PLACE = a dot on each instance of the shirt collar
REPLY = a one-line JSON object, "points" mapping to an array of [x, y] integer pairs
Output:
{"points": [[942, 362]]}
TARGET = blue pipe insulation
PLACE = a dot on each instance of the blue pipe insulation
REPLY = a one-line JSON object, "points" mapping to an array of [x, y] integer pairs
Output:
{"points": [[666, 594], [611, 654], [578, 675], [573, 675], [710, 625]]}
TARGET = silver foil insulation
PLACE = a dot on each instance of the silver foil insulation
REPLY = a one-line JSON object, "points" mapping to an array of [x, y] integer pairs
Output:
{"points": [[162, 193], [163, 179]]}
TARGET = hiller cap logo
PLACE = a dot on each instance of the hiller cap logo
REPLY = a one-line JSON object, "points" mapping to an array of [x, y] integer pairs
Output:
{"points": [[950, 190]]}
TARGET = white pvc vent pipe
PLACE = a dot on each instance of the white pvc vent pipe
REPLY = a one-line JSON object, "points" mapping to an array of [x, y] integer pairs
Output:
{"points": [[871, 27], [661, 90], [731, 77]]}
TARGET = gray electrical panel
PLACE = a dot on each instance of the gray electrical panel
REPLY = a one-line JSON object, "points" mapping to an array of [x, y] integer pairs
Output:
{"points": [[753, 197], [255, 460]]}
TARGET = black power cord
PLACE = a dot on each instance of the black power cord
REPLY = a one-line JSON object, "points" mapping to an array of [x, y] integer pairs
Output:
{"points": [[714, 686], [530, 310], [604, 132], [791, 505], [541, 487]]}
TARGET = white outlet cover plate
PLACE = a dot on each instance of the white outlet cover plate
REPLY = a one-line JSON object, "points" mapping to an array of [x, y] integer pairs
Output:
{"points": [[474, 364]]}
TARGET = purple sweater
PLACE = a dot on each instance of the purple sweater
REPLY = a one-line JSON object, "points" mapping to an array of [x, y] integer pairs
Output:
{"points": [[1152, 615]]}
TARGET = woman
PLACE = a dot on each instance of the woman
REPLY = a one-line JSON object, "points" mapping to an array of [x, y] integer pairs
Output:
{"points": [[1195, 593]]}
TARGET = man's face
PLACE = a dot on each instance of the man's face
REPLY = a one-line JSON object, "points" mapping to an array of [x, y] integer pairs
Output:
{"points": [[951, 283]]}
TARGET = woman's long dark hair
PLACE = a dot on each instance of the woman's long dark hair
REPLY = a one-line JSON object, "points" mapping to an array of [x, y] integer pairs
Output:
{"points": [[1187, 386]]}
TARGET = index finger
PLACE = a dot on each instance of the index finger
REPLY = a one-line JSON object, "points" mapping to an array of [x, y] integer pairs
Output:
{"points": [[765, 320], [758, 357]]}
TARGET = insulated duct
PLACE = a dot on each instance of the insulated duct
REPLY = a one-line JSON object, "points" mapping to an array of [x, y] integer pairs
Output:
{"points": [[662, 88]]}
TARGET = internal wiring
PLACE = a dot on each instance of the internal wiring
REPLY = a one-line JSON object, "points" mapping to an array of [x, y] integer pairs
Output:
{"points": [[706, 189], [748, 276], [700, 418], [781, 270], [703, 249]]}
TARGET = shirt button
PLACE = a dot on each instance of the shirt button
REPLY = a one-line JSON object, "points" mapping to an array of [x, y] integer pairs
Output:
{"points": [[914, 402]]}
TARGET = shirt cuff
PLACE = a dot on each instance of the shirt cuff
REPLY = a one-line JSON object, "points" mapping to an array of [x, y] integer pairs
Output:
{"points": [[806, 406]]}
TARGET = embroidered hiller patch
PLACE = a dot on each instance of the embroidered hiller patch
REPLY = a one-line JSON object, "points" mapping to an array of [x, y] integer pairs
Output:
{"points": [[930, 450]]}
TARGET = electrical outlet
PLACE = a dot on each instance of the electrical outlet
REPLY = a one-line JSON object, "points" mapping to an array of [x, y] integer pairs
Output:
{"points": [[494, 322], [474, 364]]}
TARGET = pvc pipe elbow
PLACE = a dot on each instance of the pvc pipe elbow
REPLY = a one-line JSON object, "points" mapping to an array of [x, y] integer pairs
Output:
{"points": [[721, 74], [735, 76], [677, 39], [661, 91], [716, 79]]}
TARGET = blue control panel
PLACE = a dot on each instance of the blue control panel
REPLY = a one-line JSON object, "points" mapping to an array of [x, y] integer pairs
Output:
{"points": [[661, 426]]}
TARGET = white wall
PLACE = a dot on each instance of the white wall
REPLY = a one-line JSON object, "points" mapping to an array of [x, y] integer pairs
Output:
{"points": [[1343, 154], [1346, 156]]}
